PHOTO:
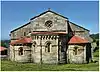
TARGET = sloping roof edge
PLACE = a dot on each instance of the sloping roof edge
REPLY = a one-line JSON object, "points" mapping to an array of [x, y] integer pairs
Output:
{"points": [[36, 17], [42, 14], [46, 12], [79, 26], [20, 27]]}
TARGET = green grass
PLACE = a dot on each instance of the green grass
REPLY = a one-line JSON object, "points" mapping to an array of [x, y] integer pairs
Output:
{"points": [[96, 53], [14, 66]]}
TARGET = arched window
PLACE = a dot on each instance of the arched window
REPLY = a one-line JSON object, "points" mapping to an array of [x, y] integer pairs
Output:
{"points": [[75, 50], [24, 33], [47, 46], [34, 46], [20, 51]]}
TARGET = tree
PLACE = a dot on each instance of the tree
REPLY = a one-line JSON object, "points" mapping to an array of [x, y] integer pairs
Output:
{"points": [[97, 42], [3, 44]]}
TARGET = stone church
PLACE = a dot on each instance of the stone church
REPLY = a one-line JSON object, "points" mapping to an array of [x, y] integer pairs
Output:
{"points": [[50, 38]]}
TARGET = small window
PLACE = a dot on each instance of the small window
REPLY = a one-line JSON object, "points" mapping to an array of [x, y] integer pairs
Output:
{"points": [[13, 34], [34, 45], [20, 51], [24, 33], [47, 47], [75, 50], [29, 31], [48, 23], [37, 24]]}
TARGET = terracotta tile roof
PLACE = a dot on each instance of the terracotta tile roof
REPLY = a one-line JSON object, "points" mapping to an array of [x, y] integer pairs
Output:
{"points": [[2, 48], [77, 40], [22, 41], [49, 33]]}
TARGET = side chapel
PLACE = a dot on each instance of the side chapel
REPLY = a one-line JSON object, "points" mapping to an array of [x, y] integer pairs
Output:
{"points": [[50, 38]]}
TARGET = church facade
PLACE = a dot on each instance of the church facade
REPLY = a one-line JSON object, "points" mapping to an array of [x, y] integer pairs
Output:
{"points": [[50, 38]]}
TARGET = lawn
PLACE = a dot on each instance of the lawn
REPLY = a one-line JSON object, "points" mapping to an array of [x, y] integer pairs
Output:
{"points": [[14, 66]]}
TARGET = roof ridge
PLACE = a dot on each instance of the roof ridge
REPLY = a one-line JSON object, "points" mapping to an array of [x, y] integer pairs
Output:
{"points": [[20, 27], [78, 25], [49, 10]]}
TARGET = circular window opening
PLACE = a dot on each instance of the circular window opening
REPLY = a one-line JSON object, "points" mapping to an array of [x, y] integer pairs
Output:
{"points": [[48, 23]]}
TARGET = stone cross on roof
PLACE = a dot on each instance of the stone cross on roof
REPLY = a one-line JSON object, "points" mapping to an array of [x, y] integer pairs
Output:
{"points": [[49, 9]]}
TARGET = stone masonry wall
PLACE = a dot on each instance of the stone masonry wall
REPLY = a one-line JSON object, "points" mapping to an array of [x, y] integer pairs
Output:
{"points": [[38, 24], [14, 54], [81, 54], [47, 57]]}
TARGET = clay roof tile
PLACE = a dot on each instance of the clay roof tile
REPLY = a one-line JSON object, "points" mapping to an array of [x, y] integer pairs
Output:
{"points": [[22, 41], [77, 40], [2, 48]]}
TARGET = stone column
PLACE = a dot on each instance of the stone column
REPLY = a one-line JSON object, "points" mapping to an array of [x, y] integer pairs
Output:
{"points": [[85, 54], [40, 49], [57, 37], [91, 54]]}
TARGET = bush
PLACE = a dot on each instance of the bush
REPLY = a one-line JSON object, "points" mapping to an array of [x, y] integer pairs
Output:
{"points": [[96, 48], [97, 42], [96, 53]]}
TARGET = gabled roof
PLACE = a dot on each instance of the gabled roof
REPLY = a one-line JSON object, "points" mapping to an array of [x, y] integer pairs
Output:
{"points": [[46, 12], [42, 14], [38, 16], [22, 41], [20, 27], [79, 26], [77, 40]]}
